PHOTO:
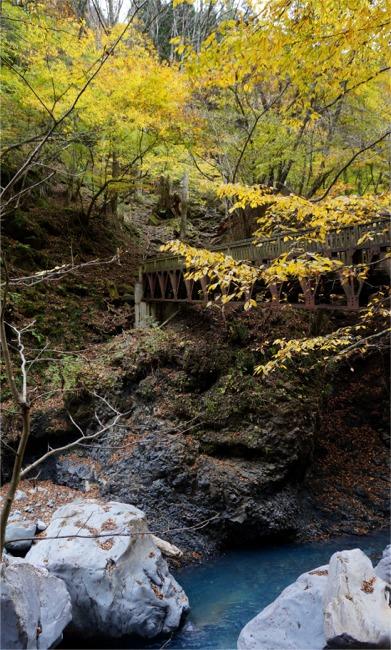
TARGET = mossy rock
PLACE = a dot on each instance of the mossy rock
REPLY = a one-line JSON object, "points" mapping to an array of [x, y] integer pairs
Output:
{"points": [[155, 220], [78, 289], [112, 291], [24, 229], [26, 258]]}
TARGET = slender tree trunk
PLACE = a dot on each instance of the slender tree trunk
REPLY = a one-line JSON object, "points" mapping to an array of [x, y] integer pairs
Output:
{"points": [[17, 468], [115, 170], [164, 204], [22, 403], [184, 205]]}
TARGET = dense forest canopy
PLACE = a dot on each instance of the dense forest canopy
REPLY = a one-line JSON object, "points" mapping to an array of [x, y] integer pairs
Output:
{"points": [[276, 106], [288, 95]]}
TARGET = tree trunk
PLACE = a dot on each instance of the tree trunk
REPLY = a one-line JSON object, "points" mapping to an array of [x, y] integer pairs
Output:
{"points": [[17, 468], [164, 203], [115, 170], [184, 205], [22, 403]]}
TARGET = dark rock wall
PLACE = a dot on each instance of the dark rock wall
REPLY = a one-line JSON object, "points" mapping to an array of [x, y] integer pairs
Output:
{"points": [[218, 458]]}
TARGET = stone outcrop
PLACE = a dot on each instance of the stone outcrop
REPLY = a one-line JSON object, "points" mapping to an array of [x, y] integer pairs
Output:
{"points": [[204, 435], [345, 604], [294, 620], [356, 603], [35, 606], [117, 578], [17, 537], [383, 568]]}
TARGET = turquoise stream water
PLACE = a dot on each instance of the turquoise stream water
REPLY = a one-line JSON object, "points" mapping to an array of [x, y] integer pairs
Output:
{"points": [[227, 592]]}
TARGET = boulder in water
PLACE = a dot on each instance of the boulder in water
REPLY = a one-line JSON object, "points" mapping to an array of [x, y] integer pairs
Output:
{"points": [[35, 606], [119, 582], [356, 603], [345, 604], [294, 620], [383, 568]]}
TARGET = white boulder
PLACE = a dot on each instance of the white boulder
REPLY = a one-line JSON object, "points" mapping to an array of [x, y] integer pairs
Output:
{"points": [[293, 621], [356, 602], [119, 583], [35, 606], [383, 568]]}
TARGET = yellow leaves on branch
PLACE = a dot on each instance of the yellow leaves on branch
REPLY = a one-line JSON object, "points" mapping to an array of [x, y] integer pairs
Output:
{"points": [[129, 107], [292, 348], [307, 265], [374, 324], [176, 3], [302, 223], [302, 42], [234, 279], [303, 219]]}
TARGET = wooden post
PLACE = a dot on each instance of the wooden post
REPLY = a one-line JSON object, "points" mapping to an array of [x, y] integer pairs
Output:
{"points": [[352, 294], [275, 290], [189, 289], [309, 287]]}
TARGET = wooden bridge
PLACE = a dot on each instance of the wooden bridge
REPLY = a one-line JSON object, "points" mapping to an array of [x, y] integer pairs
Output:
{"points": [[162, 281]]}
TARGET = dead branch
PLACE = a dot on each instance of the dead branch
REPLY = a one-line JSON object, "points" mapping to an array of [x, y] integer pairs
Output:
{"points": [[59, 271], [82, 439], [198, 526]]}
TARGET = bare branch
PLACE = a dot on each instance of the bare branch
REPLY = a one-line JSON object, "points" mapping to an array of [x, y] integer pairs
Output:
{"points": [[78, 427], [83, 438], [59, 271], [199, 526], [363, 341], [349, 162]]}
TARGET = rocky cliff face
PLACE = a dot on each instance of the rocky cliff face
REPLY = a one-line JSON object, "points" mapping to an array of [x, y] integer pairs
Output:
{"points": [[219, 458]]}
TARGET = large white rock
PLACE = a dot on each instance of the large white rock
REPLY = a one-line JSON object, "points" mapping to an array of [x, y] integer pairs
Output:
{"points": [[35, 606], [356, 602], [383, 568], [119, 585], [293, 621]]}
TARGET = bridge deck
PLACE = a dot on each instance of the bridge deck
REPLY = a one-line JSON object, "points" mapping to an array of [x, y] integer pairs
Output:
{"points": [[163, 281], [340, 243]]}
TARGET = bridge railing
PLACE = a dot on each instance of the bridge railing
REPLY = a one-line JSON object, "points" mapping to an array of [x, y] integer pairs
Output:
{"points": [[339, 242]]}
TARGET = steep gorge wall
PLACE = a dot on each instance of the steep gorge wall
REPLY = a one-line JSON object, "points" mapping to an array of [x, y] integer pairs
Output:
{"points": [[218, 458]]}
